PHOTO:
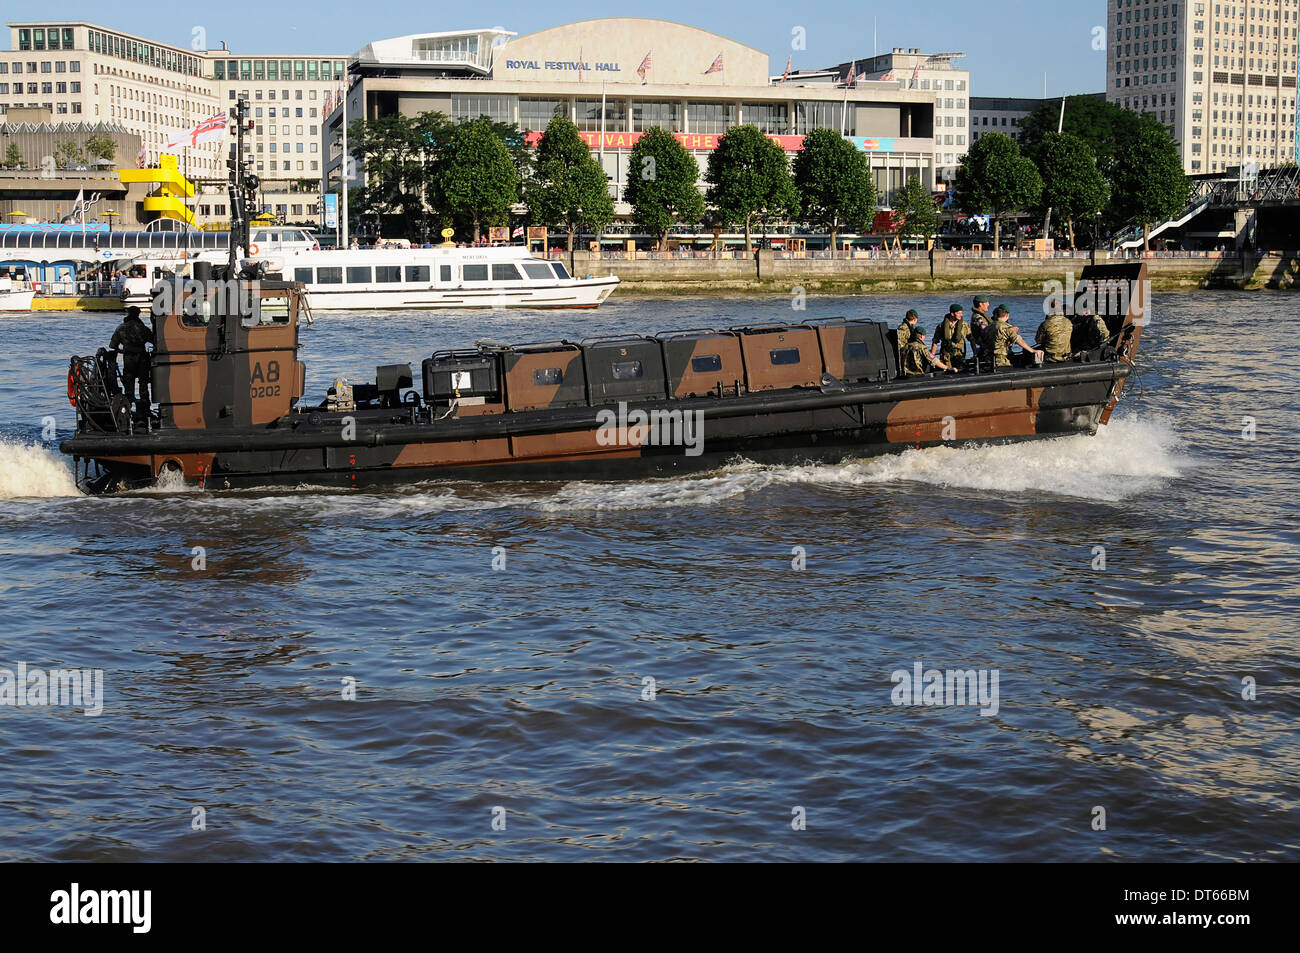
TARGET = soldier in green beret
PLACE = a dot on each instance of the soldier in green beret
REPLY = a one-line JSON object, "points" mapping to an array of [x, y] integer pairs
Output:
{"points": [[916, 359], [950, 339]]}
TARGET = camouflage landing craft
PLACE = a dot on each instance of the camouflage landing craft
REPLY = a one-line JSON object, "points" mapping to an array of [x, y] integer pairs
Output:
{"points": [[228, 387]]}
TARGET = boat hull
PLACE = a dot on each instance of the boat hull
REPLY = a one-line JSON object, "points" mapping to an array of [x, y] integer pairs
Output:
{"points": [[795, 426], [16, 300]]}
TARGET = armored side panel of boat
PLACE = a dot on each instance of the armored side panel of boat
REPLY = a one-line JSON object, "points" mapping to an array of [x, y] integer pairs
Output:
{"points": [[624, 368], [548, 375], [780, 356], [857, 351], [703, 362]]}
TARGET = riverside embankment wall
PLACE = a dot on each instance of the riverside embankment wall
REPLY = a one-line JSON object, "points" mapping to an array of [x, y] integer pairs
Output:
{"points": [[765, 273]]}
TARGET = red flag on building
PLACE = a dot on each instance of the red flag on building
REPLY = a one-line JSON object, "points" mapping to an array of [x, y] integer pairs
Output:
{"points": [[716, 67], [786, 74], [912, 82], [644, 67], [853, 74]]}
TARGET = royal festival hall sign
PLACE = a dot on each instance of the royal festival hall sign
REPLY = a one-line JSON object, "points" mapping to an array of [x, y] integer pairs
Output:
{"points": [[577, 66]]}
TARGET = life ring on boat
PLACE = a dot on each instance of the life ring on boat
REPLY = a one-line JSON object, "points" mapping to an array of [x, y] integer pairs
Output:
{"points": [[253, 249], [72, 389]]}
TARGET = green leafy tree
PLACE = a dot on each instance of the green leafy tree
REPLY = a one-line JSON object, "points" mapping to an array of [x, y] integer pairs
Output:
{"points": [[475, 180], [749, 179], [914, 204], [567, 185], [396, 153], [995, 179], [1073, 186], [662, 184], [69, 153], [100, 147], [834, 182], [1150, 185], [13, 156], [1100, 124]]}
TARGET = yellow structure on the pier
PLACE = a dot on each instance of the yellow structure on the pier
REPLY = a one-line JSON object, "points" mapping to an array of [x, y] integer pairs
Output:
{"points": [[173, 188]]}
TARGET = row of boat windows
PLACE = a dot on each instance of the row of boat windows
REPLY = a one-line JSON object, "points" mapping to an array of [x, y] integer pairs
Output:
{"points": [[78, 239], [702, 364], [420, 274]]}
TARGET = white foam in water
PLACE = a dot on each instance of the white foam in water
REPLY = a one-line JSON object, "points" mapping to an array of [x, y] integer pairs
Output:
{"points": [[30, 471], [1125, 458]]}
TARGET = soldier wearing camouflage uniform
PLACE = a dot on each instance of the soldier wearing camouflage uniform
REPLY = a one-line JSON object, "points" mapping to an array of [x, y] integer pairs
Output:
{"points": [[1093, 331], [918, 360], [981, 322], [950, 339], [130, 338], [1053, 338], [905, 329], [1003, 335]]}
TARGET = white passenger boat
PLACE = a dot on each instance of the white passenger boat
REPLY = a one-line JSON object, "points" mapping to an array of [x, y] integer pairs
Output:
{"points": [[508, 277], [15, 297]]}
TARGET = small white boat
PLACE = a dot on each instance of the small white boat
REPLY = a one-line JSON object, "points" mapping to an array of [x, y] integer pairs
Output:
{"points": [[507, 277], [15, 297]]}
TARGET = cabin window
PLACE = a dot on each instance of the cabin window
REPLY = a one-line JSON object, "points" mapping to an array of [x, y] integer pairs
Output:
{"points": [[627, 370], [785, 355], [303, 275], [444, 274], [547, 376], [476, 272], [857, 349], [706, 363], [329, 276], [358, 276], [388, 273], [559, 270], [417, 273], [506, 272], [538, 271]]}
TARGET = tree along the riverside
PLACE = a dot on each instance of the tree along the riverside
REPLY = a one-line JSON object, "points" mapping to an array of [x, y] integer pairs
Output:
{"points": [[749, 179], [568, 186], [474, 179], [1150, 185], [396, 158], [662, 184], [915, 205], [1109, 130], [1073, 186], [396, 153], [834, 182], [995, 179]]}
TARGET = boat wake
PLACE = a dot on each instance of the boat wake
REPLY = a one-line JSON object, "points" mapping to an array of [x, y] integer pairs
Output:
{"points": [[31, 471], [1125, 459]]}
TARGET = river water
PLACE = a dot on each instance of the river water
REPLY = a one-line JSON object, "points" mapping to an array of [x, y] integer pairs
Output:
{"points": [[648, 675]]}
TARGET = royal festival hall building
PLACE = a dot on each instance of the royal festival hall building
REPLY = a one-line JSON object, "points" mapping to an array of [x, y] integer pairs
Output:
{"points": [[617, 77]]}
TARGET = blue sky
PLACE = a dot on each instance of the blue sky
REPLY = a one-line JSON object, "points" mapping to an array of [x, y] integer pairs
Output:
{"points": [[1009, 44]]}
